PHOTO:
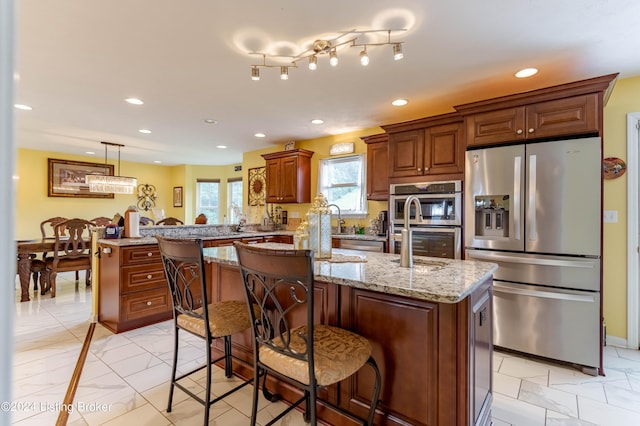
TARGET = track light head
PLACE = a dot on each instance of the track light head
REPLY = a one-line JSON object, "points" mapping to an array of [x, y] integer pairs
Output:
{"points": [[397, 52], [255, 73], [313, 62], [284, 73], [333, 57], [364, 58]]}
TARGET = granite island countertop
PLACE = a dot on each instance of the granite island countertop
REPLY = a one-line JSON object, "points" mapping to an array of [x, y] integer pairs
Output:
{"points": [[431, 279]]}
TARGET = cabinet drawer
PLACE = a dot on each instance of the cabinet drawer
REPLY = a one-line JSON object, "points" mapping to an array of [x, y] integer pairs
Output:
{"points": [[141, 254], [145, 304], [142, 277]]}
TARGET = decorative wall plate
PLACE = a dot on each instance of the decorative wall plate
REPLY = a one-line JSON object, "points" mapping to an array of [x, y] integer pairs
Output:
{"points": [[613, 167], [257, 186]]}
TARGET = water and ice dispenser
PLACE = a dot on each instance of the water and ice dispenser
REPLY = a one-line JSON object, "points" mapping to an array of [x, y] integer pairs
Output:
{"points": [[492, 215]]}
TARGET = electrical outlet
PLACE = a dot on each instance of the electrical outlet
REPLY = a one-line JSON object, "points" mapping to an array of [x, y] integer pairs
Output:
{"points": [[610, 216]]}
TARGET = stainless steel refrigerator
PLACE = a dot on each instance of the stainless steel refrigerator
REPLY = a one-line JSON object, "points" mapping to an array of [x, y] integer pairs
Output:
{"points": [[535, 209]]}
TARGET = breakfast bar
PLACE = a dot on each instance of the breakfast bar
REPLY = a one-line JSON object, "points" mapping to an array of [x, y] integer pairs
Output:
{"points": [[430, 325]]}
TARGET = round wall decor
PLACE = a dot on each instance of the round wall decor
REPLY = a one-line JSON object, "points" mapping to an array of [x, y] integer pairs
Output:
{"points": [[613, 167]]}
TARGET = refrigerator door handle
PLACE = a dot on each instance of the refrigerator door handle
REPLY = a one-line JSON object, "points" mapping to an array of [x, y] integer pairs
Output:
{"points": [[493, 257], [517, 185], [532, 233], [544, 294]]}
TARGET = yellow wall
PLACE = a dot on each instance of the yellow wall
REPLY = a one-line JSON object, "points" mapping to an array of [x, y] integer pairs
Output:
{"points": [[320, 147], [33, 205], [624, 99]]}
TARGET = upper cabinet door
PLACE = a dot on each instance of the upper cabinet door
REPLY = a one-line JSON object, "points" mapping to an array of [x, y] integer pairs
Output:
{"points": [[568, 116], [406, 153], [377, 166], [503, 125], [444, 149]]}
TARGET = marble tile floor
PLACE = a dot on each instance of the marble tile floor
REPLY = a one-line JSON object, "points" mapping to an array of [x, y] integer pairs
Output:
{"points": [[125, 378]]}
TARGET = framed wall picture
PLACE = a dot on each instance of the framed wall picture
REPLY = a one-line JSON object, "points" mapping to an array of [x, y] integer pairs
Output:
{"points": [[67, 178], [177, 196]]}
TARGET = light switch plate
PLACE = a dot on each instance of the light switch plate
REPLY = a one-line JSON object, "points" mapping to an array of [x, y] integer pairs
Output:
{"points": [[610, 216]]}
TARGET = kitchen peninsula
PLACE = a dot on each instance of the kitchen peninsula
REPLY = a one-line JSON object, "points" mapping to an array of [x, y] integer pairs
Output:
{"points": [[430, 326]]}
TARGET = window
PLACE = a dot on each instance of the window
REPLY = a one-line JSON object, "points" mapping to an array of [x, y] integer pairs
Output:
{"points": [[234, 198], [208, 199], [342, 181]]}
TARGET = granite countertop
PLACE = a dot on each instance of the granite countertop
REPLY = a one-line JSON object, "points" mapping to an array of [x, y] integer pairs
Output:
{"points": [[432, 279], [187, 232]]}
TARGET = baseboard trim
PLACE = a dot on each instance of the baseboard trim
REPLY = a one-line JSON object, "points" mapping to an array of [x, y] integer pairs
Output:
{"points": [[618, 342]]}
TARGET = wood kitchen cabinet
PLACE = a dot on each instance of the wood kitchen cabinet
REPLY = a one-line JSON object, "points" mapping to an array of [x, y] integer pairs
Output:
{"points": [[562, 117], [133, 289], [377, 166], [429, 146], [288, 176], [571, 109]]}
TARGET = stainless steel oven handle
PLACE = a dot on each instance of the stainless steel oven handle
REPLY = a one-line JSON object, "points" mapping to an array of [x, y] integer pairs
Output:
{"points": [[531, 261], [497, 288]]}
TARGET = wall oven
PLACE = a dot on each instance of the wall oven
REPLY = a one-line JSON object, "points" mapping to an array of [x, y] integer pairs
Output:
{"points": [[439, 232]]}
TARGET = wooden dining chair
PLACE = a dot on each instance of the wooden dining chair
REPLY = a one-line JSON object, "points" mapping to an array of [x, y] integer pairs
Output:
{"points": [[287, 342], [72, 253], [101, 221], [170, 221], [144, 221]]}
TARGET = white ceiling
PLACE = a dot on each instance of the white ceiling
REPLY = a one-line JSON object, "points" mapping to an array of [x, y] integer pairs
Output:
{"points": [[78, 59]]}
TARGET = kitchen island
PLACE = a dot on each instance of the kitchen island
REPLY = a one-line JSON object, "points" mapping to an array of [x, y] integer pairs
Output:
{"points": [[430, 328]]}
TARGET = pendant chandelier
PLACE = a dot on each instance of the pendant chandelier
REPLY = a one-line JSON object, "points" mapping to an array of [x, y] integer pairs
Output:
{"points": [[111, 184]]}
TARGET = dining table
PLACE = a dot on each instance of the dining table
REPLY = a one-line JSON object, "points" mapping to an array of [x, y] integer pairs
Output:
{"points": [[24, 249]]}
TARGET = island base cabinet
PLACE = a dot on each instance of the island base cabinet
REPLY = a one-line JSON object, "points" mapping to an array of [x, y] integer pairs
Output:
{"points": [[435, 358], [133, 290]]}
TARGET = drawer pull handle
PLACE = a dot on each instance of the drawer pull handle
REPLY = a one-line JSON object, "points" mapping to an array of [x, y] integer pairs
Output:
{"points": [[149, 276], [149, 303], [149, 254]]}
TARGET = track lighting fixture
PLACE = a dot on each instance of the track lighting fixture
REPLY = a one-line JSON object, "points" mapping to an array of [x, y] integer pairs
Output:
{"points": [[330, 48]]}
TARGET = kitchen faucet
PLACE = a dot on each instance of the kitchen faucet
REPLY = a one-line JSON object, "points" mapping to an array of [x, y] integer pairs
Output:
{"points": [[340, 220], [406, 248]]}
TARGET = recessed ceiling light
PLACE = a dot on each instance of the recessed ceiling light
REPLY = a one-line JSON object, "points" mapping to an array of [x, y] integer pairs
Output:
{"points": [[145, 131], [134, 101], [90, 153], [317, 121], [527, 72], [259, 135], [399, 102], [157, 161], [24, 107], [221, 146], [209, 121]]}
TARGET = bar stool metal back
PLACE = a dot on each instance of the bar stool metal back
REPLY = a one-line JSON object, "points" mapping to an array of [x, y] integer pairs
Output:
{"points": [[183, 265], [287, 343]]}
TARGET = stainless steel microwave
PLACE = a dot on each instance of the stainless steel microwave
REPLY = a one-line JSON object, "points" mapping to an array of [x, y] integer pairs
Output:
{"points": [[440, 203]]}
